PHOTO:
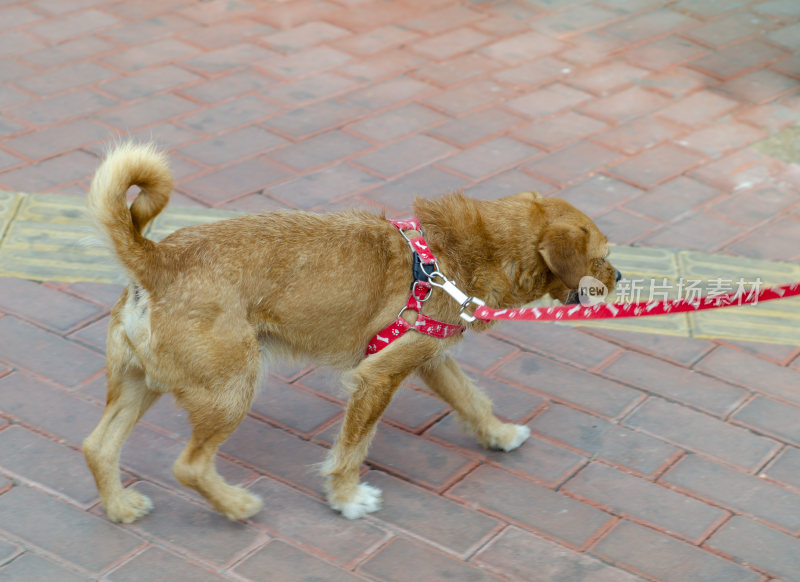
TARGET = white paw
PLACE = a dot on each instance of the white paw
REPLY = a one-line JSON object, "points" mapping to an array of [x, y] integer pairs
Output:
{"points": [[128, 506], [522, 434], [365, 500]]}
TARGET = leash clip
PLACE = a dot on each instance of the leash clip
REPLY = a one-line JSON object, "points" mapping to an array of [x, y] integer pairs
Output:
{"points": [[461, 298]]}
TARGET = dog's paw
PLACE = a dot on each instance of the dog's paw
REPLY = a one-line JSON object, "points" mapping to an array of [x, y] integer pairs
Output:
{"points": [[129, 506], [240, 504], [366, 499], [509, 437]]}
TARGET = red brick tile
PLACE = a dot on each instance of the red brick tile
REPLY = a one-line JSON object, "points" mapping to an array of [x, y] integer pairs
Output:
{"points": [[742, 169], [304, 36], [777, 353], [569, 384], [523, 47], [404, 155], [656, 165], [390, 92], [573, 162], [377, 39], [559, 130], [707, 9], [645, 501], [10, 97], [662, 557], [649, 25], [148, 82], [760, 546], [414, 408], [729, 28], [17, 16], [623, 227], [150, 29], [226, 86], [698, 231], [235, 180], [157, 109], [528, 557], [230, 114], [699, 432], [51, 173], [429, 516], [64, 78], [598, 193], [72, 25], [62, 107], [735, 490], [604, 439], [663, 53], [193, 526], [770, 116], [45, 305], [445, 18], [30, 566], [489, 157], [737, 59], [775, 241], [289, 564], [759, 86], [573, 20], [398, 122], [753, 372], [634, 136], [604, 79], [227, 147], [382, 65], [319, 150], [314, 118], [484, 351], [785, 468], [451, 43], [534, 73], [625, 105], [305, 62], [548, 100], [289, 15], [676, 383], [296, 516], [215, 11], [672, 198], [591, 48], [227, 59], [320, 187], [292, 406], [778, 8], [47, 354], [786, 37], [416, 458], [473, 127], [751, 206], [537, 507], [403, 560], [428, 182], [314, 88], [44, 462], [508, 183], [155, 563], [456, 70], [544, 461], [770, 417], [678, 81], [62, 530], [277, 452], [700, 107], [467, 97]]}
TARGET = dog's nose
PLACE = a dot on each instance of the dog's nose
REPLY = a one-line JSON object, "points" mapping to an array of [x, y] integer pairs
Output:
{"points": [[618, 277]]}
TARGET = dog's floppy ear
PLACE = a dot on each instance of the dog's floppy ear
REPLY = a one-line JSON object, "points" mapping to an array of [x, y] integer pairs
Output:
{"points": [[564, 249]]}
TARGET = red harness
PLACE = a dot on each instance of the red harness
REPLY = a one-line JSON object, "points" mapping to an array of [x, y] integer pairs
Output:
{"points": [[420, 291]]}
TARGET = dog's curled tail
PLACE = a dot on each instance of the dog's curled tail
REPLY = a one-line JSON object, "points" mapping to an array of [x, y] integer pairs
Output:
{"points": [[127, 165]]}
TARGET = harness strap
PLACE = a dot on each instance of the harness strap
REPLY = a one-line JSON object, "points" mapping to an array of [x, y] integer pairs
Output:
{"points": [[420, 291]]}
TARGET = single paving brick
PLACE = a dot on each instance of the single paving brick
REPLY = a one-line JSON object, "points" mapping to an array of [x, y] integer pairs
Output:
{"points": [[604, 439], [289, 564], [569, 384], [404, 155], [753, 543], [530, 557], [425, 514], [43, 304], [666, 558], [771, 417], [737, 491], [645, 501], [786, 468], [29, 567], [403, 560], [676, 383], [294, 515], [193, 527], [158, 564], [537, 507], [63, 530], [699, 432], [293, 407]]}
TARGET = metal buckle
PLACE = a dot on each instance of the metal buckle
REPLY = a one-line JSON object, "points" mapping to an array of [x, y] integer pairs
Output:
{"points": [[470, 301]]}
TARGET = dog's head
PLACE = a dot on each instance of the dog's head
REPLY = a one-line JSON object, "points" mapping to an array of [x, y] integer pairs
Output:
{"points": [[572, 247]]}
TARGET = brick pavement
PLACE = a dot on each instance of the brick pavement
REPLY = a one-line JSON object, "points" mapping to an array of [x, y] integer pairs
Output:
{"points": [[653, 457]]}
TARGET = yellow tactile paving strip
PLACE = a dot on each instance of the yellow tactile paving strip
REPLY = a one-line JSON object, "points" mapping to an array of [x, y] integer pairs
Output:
{"points": [[44, 237]]}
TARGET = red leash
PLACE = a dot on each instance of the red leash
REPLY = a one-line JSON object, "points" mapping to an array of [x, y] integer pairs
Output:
{"points": [[639, 309]]}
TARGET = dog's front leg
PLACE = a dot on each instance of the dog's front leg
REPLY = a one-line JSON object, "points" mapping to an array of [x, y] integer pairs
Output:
{"points": [[448, 381], [372, 385]]}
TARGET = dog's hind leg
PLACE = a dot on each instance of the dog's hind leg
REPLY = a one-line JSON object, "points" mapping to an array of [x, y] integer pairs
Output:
{"points": [[215, 412], [448, 381], [128, 399]]}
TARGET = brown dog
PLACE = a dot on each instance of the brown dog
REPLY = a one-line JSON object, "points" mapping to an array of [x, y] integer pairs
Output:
{"points": [[208, 304]]}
